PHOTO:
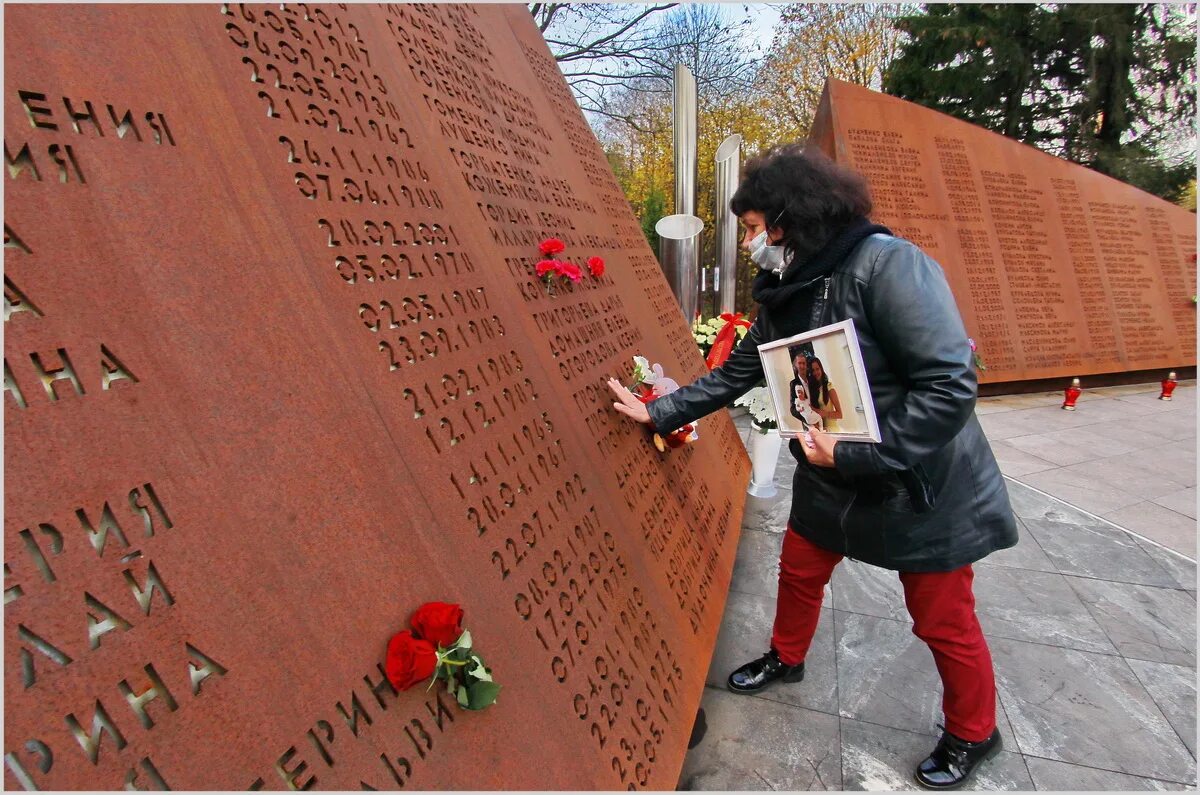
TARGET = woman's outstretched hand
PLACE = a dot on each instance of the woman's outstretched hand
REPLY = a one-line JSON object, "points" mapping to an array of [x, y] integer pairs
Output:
{"points": [[627, 404]]}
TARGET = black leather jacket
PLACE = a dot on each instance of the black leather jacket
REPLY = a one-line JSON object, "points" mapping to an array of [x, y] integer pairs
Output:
{"points": [[930, 496]]}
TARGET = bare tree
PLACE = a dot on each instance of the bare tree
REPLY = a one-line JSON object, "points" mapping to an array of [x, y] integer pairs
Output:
{"points": [[606, 51]]}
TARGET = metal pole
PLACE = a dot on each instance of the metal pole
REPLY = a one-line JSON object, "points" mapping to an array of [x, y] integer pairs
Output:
{"points": [[682, 264], [729, 156], [680, 238]]}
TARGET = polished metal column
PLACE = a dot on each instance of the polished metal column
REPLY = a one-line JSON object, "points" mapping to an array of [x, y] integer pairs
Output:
{"points": [[729, 157], [681, 257], [679, 237]]}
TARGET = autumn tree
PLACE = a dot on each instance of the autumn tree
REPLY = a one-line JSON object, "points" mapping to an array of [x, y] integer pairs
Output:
{"points": [[816, 41]]}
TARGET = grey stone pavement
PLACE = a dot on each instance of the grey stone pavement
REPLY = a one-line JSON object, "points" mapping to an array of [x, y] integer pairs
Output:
{"points": [[1091, 620]]}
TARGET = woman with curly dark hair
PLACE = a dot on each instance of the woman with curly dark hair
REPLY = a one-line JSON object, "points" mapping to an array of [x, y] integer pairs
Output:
{"points": [[928, 500]]}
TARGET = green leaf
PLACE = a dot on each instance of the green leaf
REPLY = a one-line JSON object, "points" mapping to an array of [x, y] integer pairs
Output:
{"points": [[464, 698], [464, 640], [480, 671], [481, 694]]}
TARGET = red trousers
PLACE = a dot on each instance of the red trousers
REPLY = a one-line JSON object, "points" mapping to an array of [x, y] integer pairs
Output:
{"points": [[942, 607]]}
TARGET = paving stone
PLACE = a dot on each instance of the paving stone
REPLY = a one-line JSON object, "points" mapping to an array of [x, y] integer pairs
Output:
{"points": [[1167, 527], [1039, 607], [768, 514], [1026, 554], [1181, 569], [1087, 709], [1173, 688], [1124, 473], [756, 567], [1143, 622], [1057, 453], [1014, 462], [1061, 776], [1182, 501], [869, 590], [1145, 403], [1004, 425], [1120, 438], [1173, 459], [886, 676], [1082, 490], [746, 634], [1104, 440], [752, 744], [1028, 503], [882, 758], [1088, 411], [1096, 550]]}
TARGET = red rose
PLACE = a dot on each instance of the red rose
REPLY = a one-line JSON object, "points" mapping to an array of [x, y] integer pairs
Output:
{"points": [[551, 246], [409, 660], [547, 266], [596, 266], [571, 271], [438, 622]]}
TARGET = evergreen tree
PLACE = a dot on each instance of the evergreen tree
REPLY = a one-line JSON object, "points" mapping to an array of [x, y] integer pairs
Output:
{"points": [[1109, 86]]}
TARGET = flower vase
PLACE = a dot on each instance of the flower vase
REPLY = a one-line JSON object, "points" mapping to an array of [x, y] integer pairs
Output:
{"points": [[764, 457]]}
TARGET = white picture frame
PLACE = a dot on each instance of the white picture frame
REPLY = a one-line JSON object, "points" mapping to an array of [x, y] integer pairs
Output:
{"points": [[838, 385]]}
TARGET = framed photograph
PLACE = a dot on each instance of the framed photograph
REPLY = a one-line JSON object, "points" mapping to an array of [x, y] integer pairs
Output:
{"points": [[817, 379]]}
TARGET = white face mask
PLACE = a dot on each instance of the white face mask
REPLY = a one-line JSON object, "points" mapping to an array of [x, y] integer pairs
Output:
{"points": [[767, 257], [764, 256]]}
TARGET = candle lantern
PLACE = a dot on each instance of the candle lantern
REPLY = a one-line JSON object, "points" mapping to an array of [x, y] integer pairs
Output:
{"points": [[1071, 394], [1168, 386]]}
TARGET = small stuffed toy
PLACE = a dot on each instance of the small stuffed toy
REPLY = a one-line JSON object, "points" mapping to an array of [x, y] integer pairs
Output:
{"points": [[651, 383]]}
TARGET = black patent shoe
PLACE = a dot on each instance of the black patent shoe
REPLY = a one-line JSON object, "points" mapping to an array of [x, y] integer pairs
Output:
{"points": [[954, 760], [754, 676]]}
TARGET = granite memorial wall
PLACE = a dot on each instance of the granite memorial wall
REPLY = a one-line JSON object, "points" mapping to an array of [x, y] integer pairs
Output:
{"points": [[278, 369], [1058, 270]]}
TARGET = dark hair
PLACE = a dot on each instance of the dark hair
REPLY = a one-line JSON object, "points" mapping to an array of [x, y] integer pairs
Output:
{"points": [[804, 193], [814, 385]]}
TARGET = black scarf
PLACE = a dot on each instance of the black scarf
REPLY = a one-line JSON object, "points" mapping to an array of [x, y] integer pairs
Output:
{"points": [[797, 290]]}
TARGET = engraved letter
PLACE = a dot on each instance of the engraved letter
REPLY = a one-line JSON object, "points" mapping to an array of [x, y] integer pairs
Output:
{"points": [[33, 111], [108, 522], [113, 369], [100, 723], [28, 672], [23, 160], [383, 686], [16, 301], [44, 763], [125, 125], [135, 502], [12, 241], [11, 386], [156, 781], [138, 702], [96, 627], [290, 776], [87, 115], [64, 373], [209, 667], [145, 594], [356, 709]]}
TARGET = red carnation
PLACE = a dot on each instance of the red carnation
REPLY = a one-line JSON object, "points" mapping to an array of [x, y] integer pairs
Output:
{"points": [[409, 660], [596, 266], [551, 246], [571, 271], [548, 266], [438, 622]]}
